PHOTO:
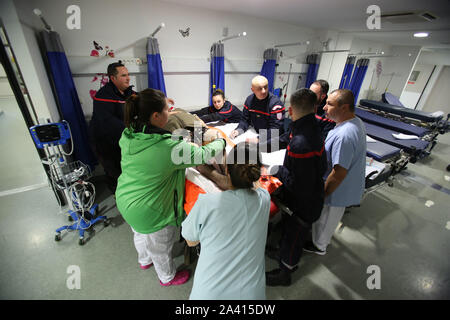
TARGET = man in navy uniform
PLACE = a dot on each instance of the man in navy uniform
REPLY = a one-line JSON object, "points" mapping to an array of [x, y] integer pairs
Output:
{"points": [[320, 88], [302, 191], [262, 110], [107, 124]]}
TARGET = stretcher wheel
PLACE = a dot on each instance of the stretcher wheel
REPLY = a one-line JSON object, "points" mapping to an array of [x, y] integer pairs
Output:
{"points": [[106, 222], [57, 237], [81, 242]]}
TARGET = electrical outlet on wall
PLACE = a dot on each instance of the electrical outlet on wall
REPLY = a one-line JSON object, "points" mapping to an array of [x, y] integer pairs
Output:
{"points": [[132, 61]]}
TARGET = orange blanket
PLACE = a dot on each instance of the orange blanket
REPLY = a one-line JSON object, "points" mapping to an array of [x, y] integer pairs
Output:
{"points": [[192, 191]]}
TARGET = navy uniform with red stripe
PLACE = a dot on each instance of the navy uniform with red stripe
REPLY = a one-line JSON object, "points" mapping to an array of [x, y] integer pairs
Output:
{"points": [[302, 191], [262, 114], [106, 128], [320, 112], [228, 113], [325, 124]]}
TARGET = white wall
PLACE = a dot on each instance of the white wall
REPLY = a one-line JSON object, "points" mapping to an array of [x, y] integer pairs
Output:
{"points": [[401, 67], [332, 64], [413, 90], [124, 27], [439, 59], [5, 88], [31, 69], [439, 98]]}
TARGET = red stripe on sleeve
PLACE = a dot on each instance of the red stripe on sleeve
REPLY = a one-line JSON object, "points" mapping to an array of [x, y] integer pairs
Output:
{"points": [[278, 110], [109, 100], [324, 119], [305, 155], [224, 112], [257, 111]]}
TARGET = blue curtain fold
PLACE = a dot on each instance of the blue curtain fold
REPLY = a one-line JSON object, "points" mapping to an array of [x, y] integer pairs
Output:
{"points": [[154, 66], [347, 74], [313, 61], [269, 65], [67, 97], [354, 75], [217, 69], [358, 77]]}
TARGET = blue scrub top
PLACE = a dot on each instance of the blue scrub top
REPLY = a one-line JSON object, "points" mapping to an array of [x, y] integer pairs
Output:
{"points": [[346, 146], [232, 229]]}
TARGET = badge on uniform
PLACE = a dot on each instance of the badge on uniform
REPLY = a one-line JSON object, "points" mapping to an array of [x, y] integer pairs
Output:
{"points": [[279, 114]]}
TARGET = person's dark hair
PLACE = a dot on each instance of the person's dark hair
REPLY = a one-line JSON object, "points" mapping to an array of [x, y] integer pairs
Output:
{"points": [[345, 96], [243, 165], [112, 68], [324, 86], [219, 92], [303, 100], [139, 108]]}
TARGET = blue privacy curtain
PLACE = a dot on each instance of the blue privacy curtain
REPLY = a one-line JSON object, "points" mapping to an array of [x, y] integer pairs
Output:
{"points": [[154, 66], [217, 69], [67, 97], [269, 65], [358, 76], [313, 61], [347, 74]]}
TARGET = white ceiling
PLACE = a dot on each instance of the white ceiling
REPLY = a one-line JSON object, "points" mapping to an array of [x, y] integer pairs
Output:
{"points": [[346, 16]]}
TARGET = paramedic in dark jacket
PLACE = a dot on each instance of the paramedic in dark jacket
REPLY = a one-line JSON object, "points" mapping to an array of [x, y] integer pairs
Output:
{"points": [[262, 110], [320, 88], [303, 188], [107, 123], [221, 110]]}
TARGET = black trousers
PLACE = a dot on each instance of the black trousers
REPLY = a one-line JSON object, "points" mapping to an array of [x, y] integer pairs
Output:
{"points": [[109, 157], [295, 233]]}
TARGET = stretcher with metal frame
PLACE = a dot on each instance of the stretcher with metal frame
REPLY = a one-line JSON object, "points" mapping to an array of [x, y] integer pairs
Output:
{"points": [[435, 122]]}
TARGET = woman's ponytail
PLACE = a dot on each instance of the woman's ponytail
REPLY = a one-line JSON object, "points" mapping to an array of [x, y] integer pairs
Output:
{"points": [[244, 165], [139, 108], [131, 114]]}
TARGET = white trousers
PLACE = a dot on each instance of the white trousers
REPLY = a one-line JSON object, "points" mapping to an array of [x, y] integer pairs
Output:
{"points": [[323, 229], [157, 247]]}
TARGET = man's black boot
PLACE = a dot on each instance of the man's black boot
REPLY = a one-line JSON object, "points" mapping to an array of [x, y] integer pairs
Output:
{"points": [[278, 277]]}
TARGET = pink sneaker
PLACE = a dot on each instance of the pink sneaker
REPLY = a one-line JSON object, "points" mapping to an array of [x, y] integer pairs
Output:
{"points": [[180, 278], [145, 267]]}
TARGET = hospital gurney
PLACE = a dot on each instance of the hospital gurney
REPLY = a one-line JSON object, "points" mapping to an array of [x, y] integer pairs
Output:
{"points": [[416, 148], [382, 163], [433, 121]]}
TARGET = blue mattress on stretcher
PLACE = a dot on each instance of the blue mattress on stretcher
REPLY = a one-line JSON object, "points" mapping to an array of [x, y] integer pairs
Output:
{"points": [[401, 111], [390, 123], [385, 135], [381, 151]]}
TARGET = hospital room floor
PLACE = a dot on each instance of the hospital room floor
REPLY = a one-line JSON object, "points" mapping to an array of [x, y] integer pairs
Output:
{"points": [[403, 230]]}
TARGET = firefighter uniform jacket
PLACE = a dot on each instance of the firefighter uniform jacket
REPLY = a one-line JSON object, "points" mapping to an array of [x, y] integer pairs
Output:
{"points": [[262, 114], [228, 113], [303, 169]]}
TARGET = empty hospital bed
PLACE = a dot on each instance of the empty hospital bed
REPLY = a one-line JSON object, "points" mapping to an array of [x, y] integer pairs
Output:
{"points": [[436, 122], [390, 131]]}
